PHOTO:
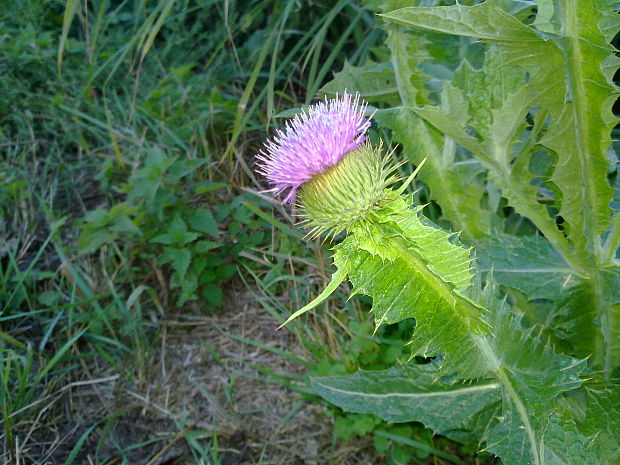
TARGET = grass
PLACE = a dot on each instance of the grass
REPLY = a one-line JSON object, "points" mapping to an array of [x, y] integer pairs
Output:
{"points": [[142, 273]]}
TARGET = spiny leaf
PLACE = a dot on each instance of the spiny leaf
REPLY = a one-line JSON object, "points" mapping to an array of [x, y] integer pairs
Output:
{"points": [[532, 377], [500, 127], [537, 373], [486, 21], [403, 291], [574, 320], [487, 89], [561, 443], [580, 125], [409, 392], [412, 269], [610, 296], [575, 92], [408, 51], [531, 265], [565, 445], [337, 278]]}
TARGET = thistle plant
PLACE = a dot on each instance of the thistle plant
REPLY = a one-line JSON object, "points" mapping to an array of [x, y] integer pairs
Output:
{"points": [[520, 327]]}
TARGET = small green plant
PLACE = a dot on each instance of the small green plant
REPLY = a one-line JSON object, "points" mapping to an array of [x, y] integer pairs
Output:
{"points": [[158, 225]]}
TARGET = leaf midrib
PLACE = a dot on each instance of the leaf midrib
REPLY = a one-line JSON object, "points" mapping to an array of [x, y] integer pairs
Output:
{"points": [[526, 270], [447, 392]]}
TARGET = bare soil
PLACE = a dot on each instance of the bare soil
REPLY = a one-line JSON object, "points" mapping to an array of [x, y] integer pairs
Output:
{"points": [[199, 385]]}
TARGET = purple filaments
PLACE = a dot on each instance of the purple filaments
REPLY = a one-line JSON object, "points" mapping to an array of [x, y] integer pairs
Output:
{"points": [[313, 141]]}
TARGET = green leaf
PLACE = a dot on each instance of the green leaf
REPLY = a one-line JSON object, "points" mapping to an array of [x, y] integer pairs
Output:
{"points": [[610, 293], [93, 238], [560, 444], [205, 246], [531, 265], [364, 424], [581, 133], [124, 224], [477, 428], [412, 269], [146, 181], [213, 294], [537, 374], [565, 445], [409, 51], [485, 21], [176, 234], [375, 82], [490, 89], [527, 263], [500, 128], [179, 259], [202, 221], [573, 65], [104, 226], [337, 278], [589, 318], [182, 168], [601, 420], [532, 377], [409, 392], [569, 73]]}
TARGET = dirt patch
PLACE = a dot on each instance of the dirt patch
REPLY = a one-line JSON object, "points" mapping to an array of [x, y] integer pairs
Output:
{"points": [[201, 387]]}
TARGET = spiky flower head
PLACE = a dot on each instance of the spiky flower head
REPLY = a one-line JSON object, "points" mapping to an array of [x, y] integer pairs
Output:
{"points": [[346, 194], [313, 142]]}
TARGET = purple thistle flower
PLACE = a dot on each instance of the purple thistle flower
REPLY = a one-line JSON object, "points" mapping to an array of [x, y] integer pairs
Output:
{"points": [[314, 141]]}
